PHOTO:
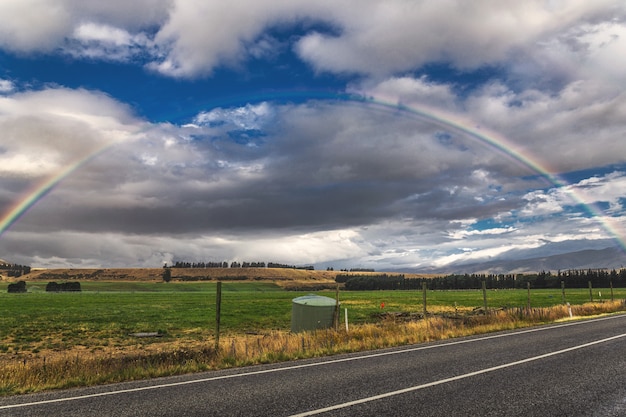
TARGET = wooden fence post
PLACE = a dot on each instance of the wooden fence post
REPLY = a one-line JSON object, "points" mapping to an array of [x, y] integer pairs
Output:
{"points": [[336, 314], [528, 300], [485, 295], [424, 297], [218, 308], [590, 293], [611, 284]]}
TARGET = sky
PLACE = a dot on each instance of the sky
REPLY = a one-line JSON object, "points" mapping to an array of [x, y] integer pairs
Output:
{"points": [[383, 134]]}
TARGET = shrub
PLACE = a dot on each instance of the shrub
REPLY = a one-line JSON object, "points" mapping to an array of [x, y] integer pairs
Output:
{"points": [[17, 287], [63, 287]]}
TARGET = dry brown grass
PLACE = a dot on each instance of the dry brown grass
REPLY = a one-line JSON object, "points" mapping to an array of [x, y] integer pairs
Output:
{"points": [[155, 274], [82, 367], [284, 277]]}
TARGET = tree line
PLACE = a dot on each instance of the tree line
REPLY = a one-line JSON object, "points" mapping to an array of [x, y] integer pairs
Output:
{"points": [[15, 270], [235, 264], [599, 278], [374, 282]]}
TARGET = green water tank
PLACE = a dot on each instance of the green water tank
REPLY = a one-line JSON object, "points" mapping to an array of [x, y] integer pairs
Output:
{"points": [[312, 312]]}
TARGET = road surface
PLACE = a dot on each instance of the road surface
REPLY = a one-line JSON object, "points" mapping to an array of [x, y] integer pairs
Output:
{"points": [[569, 369]]}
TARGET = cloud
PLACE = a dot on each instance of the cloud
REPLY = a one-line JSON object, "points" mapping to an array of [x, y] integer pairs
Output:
{"points": [[373, 38], [571, 130], [568, 130], [591, 192], [47, 130], [391, 37], [321, 167], [608, 189], [326, 181], [32, 25], [249, 117], [191, 38], [87, 250], [107, 43], [62, 249], [6, 86], [408, 90], [379, 38], [282, 180], [43, 25], [200, 36]]}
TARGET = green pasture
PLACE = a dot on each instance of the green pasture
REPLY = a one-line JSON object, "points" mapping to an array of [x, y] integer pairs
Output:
{"points": [[108, 313]]}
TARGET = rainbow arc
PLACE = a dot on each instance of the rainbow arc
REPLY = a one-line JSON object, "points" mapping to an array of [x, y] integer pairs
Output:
{"points": [[447, 121]]}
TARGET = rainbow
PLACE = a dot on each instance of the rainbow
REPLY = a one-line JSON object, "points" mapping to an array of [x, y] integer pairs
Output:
{"points": [[446, 120], [501, 144], [42, 188]]}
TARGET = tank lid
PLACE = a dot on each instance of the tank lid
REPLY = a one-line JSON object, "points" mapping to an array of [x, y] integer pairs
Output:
{"points": [[315, 300]]}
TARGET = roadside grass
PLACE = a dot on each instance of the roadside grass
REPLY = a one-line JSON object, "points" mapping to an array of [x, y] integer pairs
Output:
{"points": [[61, 340]]}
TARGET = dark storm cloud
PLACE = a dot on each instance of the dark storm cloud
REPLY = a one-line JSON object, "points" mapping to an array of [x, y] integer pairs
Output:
{"points": [[319, 166]]}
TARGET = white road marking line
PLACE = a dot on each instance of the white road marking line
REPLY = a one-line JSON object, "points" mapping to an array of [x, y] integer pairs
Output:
{"points": [[454, 378], [307, 365]]}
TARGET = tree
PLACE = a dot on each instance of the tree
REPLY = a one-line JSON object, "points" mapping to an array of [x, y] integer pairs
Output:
{"points": [[167, 275]]}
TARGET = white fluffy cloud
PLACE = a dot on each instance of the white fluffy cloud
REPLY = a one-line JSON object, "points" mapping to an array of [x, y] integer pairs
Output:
{"points": [[408, 91], [572, 130], [188, 38], [6, 86], [43, 25], [576, 129], [378, 37], [33, 25], [107, 43], [249, 117], [47, 130]]}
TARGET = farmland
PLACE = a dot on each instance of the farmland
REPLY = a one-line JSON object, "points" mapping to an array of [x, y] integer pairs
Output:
{"points": [[106, 317], [106, 313]]}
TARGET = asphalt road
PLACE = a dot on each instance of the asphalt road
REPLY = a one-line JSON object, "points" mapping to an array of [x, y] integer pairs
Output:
{"points": [[571, 369]]}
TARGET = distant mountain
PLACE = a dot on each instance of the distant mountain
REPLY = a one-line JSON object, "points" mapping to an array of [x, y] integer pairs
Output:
{"points": [[610, 258]]}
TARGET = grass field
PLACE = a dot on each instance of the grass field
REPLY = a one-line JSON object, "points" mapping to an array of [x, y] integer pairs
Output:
{"points": [[105, 314], [56, 340]]}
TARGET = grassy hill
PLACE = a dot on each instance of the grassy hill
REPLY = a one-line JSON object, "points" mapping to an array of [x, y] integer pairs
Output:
{"points": [[284, 277]]}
